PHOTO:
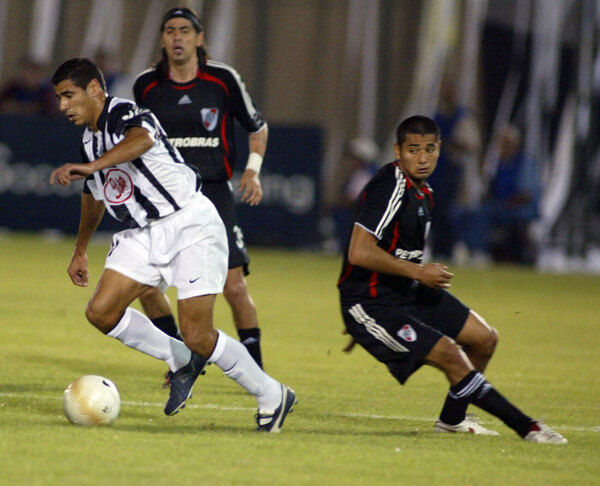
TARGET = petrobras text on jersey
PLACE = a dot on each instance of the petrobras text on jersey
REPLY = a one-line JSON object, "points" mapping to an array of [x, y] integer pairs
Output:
{"points": [[408, 255], [194, 142]]}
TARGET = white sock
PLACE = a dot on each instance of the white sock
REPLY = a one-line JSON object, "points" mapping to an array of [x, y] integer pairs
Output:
{"points": [[235, 361], [137, 331]]}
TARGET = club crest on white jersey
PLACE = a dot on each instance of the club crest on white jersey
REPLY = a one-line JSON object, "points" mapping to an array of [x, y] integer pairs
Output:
{"points": [[118, 186], [210, 117]]}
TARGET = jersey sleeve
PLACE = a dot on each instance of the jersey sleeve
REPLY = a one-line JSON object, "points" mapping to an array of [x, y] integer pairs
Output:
{"points": [[381, 200], [138, 90], [144, 82], [128, 115], [243, 108]]}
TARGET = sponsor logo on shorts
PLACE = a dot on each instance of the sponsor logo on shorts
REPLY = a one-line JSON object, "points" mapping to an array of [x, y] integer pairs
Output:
{"points": [[407, 333]]}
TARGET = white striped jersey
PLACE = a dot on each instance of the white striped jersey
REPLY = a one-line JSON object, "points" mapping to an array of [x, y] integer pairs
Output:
{"points": [[152, 186], [398, 214]]}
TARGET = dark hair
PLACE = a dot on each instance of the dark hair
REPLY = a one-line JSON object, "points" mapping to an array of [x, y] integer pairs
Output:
{"points": [[420, 125], [185, 13], [162, 66], [80, 71]]}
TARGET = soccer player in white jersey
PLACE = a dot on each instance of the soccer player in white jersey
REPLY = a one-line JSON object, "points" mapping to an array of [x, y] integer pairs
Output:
{"points": [[176, 238]]}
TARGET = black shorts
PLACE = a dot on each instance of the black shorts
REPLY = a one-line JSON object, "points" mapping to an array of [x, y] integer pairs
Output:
{"points": [[221, 195], [401, 332]]}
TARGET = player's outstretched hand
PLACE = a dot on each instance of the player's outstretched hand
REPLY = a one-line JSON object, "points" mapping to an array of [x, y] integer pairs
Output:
{"points": [[78, 270], [435, 275], [69, 172], [250, 188]]}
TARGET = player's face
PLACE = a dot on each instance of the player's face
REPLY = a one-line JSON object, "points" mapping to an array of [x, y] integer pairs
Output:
{"points": [[418, 156], [79, 105], [180, 40]]}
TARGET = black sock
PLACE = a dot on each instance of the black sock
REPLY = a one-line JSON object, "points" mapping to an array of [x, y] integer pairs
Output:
{"points": [[474, 389], [167, 325], [250, 338], [493, 402], [457, 400]]}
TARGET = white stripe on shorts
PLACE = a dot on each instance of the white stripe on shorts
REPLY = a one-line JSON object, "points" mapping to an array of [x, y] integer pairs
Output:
{"points": [[378, 332]]}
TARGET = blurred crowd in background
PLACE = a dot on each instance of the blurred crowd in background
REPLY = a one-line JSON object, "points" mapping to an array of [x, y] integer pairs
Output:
{"points": [[513, 86]]}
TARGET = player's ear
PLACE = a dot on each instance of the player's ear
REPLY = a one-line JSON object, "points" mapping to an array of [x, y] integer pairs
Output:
{"points": [[200, 39], [397, 151], [93, 87]]}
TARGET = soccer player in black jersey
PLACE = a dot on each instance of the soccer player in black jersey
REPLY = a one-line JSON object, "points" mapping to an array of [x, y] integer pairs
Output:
{"points": [[398, 308], [197, 101]]}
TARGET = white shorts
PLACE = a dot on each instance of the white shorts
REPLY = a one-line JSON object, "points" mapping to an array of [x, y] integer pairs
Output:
{"points": [[187, 250]]}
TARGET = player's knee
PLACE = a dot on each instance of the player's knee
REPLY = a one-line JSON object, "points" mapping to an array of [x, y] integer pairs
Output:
{"points": [[200, 341], [235, 290], [447, 355], [491, 341], [100, 318], [487, 344], [449, 351]]}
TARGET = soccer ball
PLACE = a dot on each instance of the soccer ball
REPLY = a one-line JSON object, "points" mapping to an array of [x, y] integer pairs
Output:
{"points": [[91, 400]]}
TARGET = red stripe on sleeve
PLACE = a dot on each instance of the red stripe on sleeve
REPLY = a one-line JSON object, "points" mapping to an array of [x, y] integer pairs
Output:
{"points": [[148, 88], [207, 77], [226, 145]]}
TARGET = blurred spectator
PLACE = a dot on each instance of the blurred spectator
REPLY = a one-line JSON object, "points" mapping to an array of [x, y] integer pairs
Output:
{"points": [[500, 227], [513, 201], [456, 181], [30, 93], [358, 165], [117, 83]]}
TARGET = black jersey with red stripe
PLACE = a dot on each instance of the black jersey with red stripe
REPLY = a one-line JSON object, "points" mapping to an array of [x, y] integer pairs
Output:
{"points": [[198, 116], [398, 214]]}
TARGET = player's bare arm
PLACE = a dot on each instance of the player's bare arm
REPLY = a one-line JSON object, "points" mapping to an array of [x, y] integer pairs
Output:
{"points": [[91, 215], [365, 253], [250, 185], [136, 142]]}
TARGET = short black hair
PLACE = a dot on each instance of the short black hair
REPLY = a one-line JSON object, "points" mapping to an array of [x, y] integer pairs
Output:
{"points": [[80, 71], [420, 125]]}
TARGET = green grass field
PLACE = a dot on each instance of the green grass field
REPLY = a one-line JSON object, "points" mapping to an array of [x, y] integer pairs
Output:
{"points": [[354, 425]]}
